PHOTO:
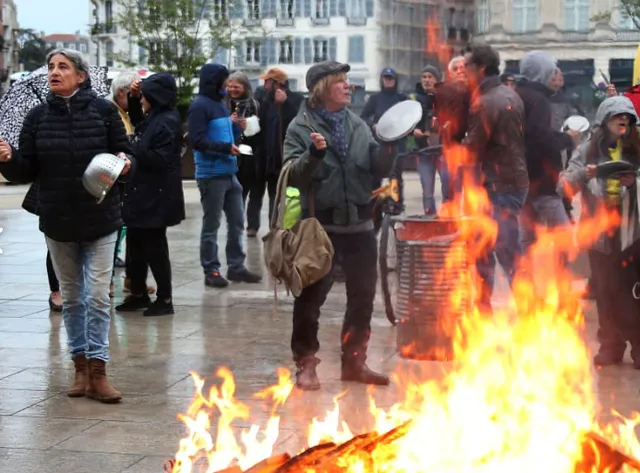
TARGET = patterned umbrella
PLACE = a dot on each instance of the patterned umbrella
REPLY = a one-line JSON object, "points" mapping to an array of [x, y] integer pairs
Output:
{"points": [[31, 91]]}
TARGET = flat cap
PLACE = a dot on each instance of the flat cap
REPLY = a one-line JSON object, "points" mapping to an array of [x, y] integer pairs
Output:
{"points": [[319, 71]]}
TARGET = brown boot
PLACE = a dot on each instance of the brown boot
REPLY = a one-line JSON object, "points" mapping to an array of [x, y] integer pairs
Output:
{"points": [[81, 379], [99, 387], [306, 377]]}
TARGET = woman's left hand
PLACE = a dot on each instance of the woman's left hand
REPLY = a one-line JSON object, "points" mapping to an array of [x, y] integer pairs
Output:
{"points": [[127, 164], [242, 124], [628, 180]]}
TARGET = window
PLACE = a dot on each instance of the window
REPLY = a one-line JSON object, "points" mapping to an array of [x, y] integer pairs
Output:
{"points": [[285, 9], [356, 48], [109, 51], [293, 84], [155, 53], [285, 53], [576, 15], [525, 16], [73, 47], [142, 56], [59, 45], [253, 9], [83, 48], [252, 51], [220, 9], [322, 9], [356, 9], [320, 50], [108, 11], [625, 21]]}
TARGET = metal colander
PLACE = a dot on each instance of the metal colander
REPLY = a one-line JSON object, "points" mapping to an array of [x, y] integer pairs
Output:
{"points": [[101, 174]]}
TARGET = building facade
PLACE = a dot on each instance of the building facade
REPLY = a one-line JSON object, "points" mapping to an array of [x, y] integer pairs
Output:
{"points": [[9, 57], [75, 42], [593, 40]]}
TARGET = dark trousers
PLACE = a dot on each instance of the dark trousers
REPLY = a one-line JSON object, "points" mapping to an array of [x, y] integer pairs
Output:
{"points": [[54, 285], [358, 254], [618, 314], [149, 249], [255, 191]]}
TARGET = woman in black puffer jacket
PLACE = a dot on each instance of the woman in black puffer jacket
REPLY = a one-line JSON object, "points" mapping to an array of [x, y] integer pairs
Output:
{"points": [[58, 141], [154, 198]]}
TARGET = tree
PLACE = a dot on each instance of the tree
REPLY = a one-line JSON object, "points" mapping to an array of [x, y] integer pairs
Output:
{"points": [[173, 33], [627, 8], [33, 49]]}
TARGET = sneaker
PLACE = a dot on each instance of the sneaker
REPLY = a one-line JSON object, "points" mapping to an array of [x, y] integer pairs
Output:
{"points": [[158, 308], [134, 303], [215, 279], [251, 233], [243, 275]]}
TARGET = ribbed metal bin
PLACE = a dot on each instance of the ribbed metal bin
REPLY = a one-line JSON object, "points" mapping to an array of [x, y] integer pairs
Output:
{"points": [[434, 286]]}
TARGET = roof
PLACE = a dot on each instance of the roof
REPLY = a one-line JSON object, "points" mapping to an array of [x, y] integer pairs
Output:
{"points": [[64, 38]]}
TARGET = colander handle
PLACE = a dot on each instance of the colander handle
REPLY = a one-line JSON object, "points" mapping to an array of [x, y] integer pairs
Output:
{"points": [[104, 194]]}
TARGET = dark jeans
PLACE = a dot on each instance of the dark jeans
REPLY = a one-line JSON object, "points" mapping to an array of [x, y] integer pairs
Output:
{"points": [[149, 249], [358, 254], [507, 249], [427, 167], [54, 285], [618, 313], [255, 191], [218, 195]]}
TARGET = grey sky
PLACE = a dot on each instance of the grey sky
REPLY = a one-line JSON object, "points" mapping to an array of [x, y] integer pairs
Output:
{"points": [[58, 16]]}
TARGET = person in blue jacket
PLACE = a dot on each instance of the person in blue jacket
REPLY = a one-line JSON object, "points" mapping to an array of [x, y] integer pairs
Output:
{"points": [[212, 134]]}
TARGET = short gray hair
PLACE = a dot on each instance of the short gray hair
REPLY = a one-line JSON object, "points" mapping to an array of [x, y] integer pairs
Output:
{"points": [[123, 81], [75, 57], [453, 62]]}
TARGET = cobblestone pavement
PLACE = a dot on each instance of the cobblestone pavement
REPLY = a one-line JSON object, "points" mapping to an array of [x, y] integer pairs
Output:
{"points": [[43, 430]]}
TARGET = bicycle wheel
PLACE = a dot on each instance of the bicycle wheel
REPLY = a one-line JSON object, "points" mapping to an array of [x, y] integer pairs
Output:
{"points": [[388, 263]]}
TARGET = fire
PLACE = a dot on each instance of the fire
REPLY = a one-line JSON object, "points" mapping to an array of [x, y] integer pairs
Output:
{"points": [[518, 396]]}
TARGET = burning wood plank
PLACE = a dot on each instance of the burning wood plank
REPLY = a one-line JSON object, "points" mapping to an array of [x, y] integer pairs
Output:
{"points": [[271, 464], [599, 456], [307, 458]]}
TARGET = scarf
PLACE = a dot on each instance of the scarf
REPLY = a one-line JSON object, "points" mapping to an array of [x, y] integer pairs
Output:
{"points": [[613, 185], [128, 126], [338, 122]]}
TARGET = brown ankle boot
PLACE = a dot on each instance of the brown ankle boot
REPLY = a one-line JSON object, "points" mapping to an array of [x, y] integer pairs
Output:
{"points": [[99, 387], [306, 377], [81, 378]]}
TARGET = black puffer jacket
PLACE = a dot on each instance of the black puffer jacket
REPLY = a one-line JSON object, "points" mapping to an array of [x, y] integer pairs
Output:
{"points": [[154, 197], [58, 141]]}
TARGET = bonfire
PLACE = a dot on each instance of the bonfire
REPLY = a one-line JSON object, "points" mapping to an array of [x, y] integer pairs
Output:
{"points": [[518, 395]]}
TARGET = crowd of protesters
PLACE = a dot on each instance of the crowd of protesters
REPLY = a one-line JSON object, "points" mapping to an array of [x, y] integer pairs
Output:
{"points": [[507, 132]]}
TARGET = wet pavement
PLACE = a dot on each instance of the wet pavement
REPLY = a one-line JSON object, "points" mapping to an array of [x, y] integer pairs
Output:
{"points": [[151, 359]]}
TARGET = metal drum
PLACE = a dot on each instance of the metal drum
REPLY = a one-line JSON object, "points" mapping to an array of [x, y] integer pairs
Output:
{"points": [[435, 286]]}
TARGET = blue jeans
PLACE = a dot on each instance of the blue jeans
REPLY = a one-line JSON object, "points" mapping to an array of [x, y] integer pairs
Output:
{"points": [[84, 271], [427, 167], [543, 210], [218, 194], [507, 250]]}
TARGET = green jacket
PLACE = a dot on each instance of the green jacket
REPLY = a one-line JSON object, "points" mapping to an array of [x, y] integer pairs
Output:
{"points": [[342, 187]]}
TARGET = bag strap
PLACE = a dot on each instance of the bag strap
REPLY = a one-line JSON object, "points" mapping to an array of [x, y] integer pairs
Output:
{"points": [[277, 219]]}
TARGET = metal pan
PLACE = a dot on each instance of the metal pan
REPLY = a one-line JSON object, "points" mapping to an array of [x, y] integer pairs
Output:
{"points": [[400, 120]]}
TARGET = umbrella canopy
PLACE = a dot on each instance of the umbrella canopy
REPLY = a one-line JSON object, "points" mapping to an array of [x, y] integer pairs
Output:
{"points": [[31, 91], [636, 67]]}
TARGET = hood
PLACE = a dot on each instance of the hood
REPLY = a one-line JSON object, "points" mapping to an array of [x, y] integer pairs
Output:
{"points": [[160, 90], [538, 66], [615, 106], [387, 71], [212, 77]]}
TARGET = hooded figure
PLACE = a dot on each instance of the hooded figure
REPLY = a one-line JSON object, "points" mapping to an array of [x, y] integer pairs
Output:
{"points": [[382, 101], [613, 256], [211, 132], [154, 199], [213, 136]]}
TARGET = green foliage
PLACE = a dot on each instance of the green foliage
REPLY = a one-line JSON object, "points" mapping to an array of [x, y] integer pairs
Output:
{"points": [[626, 8], [33, 49], [176, 33]]}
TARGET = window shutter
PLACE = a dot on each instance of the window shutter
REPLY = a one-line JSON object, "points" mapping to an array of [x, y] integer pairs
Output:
{"points": [[264, 60], [142, 56], [333, 7], [356, 49], [297, 51], [274, 8], [333, 49], [272, 52], [308, 51], [240, 53], [222, 56], [307, 8], [369, 8], [298, 8], [342, 7]]}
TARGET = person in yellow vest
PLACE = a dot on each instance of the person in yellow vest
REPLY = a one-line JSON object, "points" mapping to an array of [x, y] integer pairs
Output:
{"points": [[121, 88], [614, 254]]}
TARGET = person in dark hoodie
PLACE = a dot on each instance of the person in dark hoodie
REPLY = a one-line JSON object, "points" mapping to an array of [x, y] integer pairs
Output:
{"points": [[242, 105], [543, 147], [154, 200], [426, 134], [213, 134], [278, 107]]}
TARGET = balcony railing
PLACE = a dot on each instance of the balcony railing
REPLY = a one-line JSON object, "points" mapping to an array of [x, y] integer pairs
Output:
{"points": [[284, 22], [356, 20], [103, 28]]}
